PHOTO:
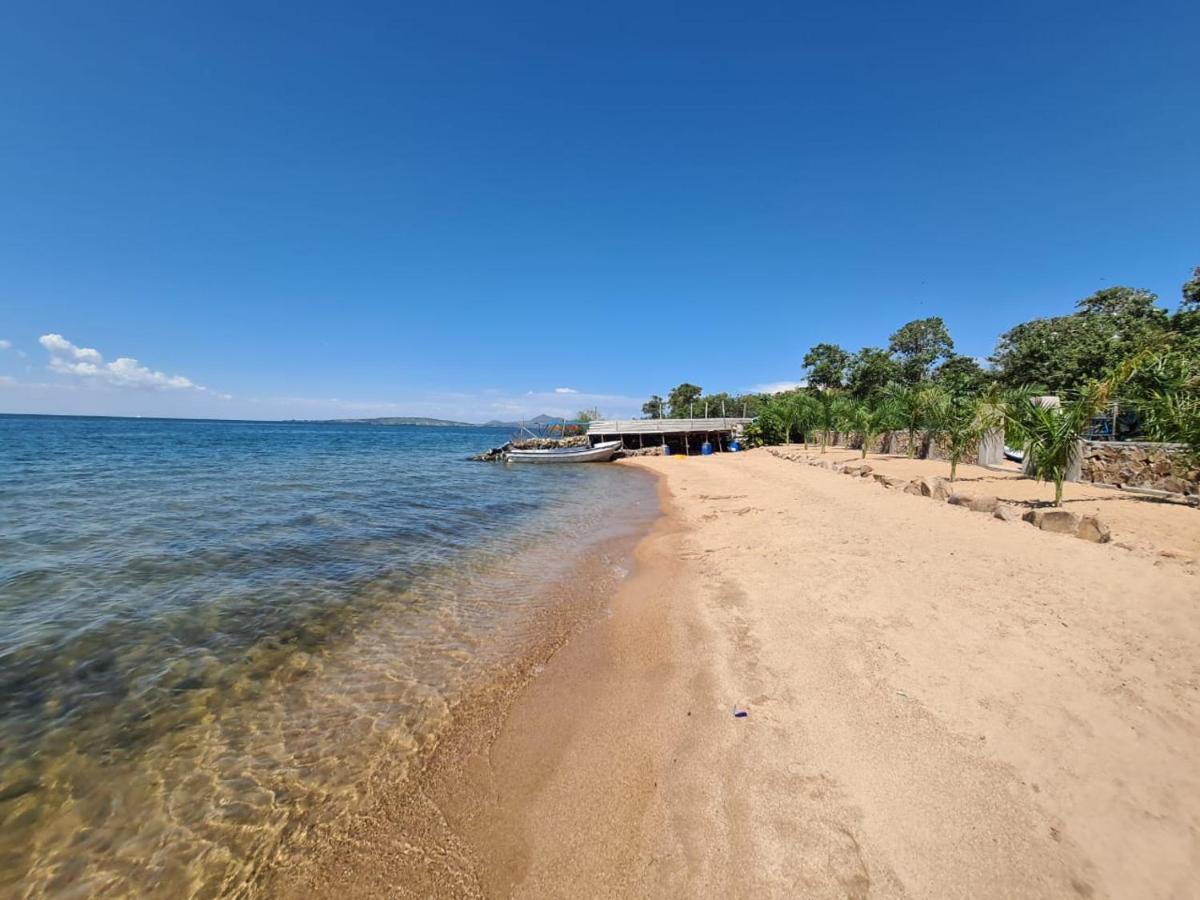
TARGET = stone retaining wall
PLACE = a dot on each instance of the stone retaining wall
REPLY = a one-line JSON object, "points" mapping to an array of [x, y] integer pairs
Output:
{"points": [[1162, 467]]}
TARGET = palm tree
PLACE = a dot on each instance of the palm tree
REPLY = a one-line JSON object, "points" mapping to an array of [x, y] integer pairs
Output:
{"points": [[911, 405], [830, 405], [867, 421], [1164, 387], [804, 414], [1051, 432], [959, 422]]}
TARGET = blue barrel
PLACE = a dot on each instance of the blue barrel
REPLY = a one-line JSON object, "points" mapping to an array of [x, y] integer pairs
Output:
{"points": [[735, 446], [706, 449], [666, 449]]}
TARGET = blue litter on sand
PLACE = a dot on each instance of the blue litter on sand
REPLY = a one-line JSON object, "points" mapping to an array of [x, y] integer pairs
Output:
{"points": [[740, 714]]}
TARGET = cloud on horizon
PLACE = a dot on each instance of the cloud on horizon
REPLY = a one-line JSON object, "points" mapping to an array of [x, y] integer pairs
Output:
{"points": [[778, 387], [88, 384], [88, 364]]}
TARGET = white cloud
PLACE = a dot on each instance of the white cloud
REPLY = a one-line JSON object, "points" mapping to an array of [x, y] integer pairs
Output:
{"points": [[60, 346], [124, 372], [7, 380], [565, 391], [778, 387], [5, 345]]}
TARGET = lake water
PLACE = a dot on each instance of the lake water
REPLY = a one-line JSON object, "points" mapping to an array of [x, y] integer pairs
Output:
{"points": [[216, 636]]}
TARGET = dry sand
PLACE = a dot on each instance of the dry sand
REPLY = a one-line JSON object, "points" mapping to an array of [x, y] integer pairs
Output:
{"points": [[1147, 524], [940, 704]]}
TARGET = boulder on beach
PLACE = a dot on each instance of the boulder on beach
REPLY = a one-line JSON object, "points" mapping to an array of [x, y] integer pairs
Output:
{"points": [[1058, 521], [1092, 529], [1006, 512], [984, 504]]}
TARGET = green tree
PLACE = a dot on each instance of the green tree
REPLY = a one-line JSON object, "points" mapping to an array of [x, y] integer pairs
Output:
{"points": [[654, 408], [588, 415], [867, 421], [869, 372], [1122, 303], [826, 364], [1191, 291], [830, 409], [767, 428], [911, 405], [802, 414], [681, 399], [1186, 321], [1164, 386], [918, 345], [962, 375], [1051, 433], [955, 420], [1063, 354]]}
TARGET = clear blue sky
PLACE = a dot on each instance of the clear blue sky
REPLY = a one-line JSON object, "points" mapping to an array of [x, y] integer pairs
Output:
{"points": [[454, 209]]}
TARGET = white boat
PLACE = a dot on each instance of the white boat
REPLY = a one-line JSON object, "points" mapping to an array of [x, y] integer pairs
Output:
{"points": [[599, 453], [1014, 455]]}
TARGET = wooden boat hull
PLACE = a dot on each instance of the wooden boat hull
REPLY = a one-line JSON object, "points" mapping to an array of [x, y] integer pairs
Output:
{"points": [[599, 453]]}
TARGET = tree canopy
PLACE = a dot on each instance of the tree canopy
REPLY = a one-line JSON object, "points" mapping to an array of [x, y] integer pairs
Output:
{"points": [[870, 370], [654, 408], [826, 364], [919, 344], [1063, 353], [962, 375], [681, 398], [1191, 292]]}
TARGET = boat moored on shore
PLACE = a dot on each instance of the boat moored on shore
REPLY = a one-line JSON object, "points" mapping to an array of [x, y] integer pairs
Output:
{"points": [[602, 452]]}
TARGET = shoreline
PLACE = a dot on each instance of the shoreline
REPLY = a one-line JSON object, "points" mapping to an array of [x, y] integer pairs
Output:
{"points": [[410, 840], [939, 704]]}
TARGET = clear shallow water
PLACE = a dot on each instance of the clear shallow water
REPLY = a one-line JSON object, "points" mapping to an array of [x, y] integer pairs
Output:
{"points": [[219, 638]]}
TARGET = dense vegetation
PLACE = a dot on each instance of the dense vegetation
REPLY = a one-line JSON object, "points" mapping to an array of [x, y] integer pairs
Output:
{"points": [[1118, 351]]}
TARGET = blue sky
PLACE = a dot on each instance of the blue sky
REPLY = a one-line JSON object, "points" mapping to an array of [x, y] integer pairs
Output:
{"points": [[456, 209]]}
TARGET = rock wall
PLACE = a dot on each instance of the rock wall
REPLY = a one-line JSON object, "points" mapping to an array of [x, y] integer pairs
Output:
{"points": [[891, 442], [1162, 467]]}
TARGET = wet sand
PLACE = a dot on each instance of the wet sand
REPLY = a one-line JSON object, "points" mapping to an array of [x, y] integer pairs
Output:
{"points": [[939, 704]]}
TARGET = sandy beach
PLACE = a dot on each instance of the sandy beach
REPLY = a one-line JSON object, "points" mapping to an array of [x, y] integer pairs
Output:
{"points": [[938, 704]]}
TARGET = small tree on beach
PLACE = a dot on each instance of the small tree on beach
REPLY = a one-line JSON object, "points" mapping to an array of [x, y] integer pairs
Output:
{"points": [[911, 405], [1051, 432], [868, 422], [802, 413], [1164, 386], [956, 421], [830, 413]]}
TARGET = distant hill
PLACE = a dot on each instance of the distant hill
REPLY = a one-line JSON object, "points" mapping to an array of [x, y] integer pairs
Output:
{"points": [[404, 420], [536, 420]]}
